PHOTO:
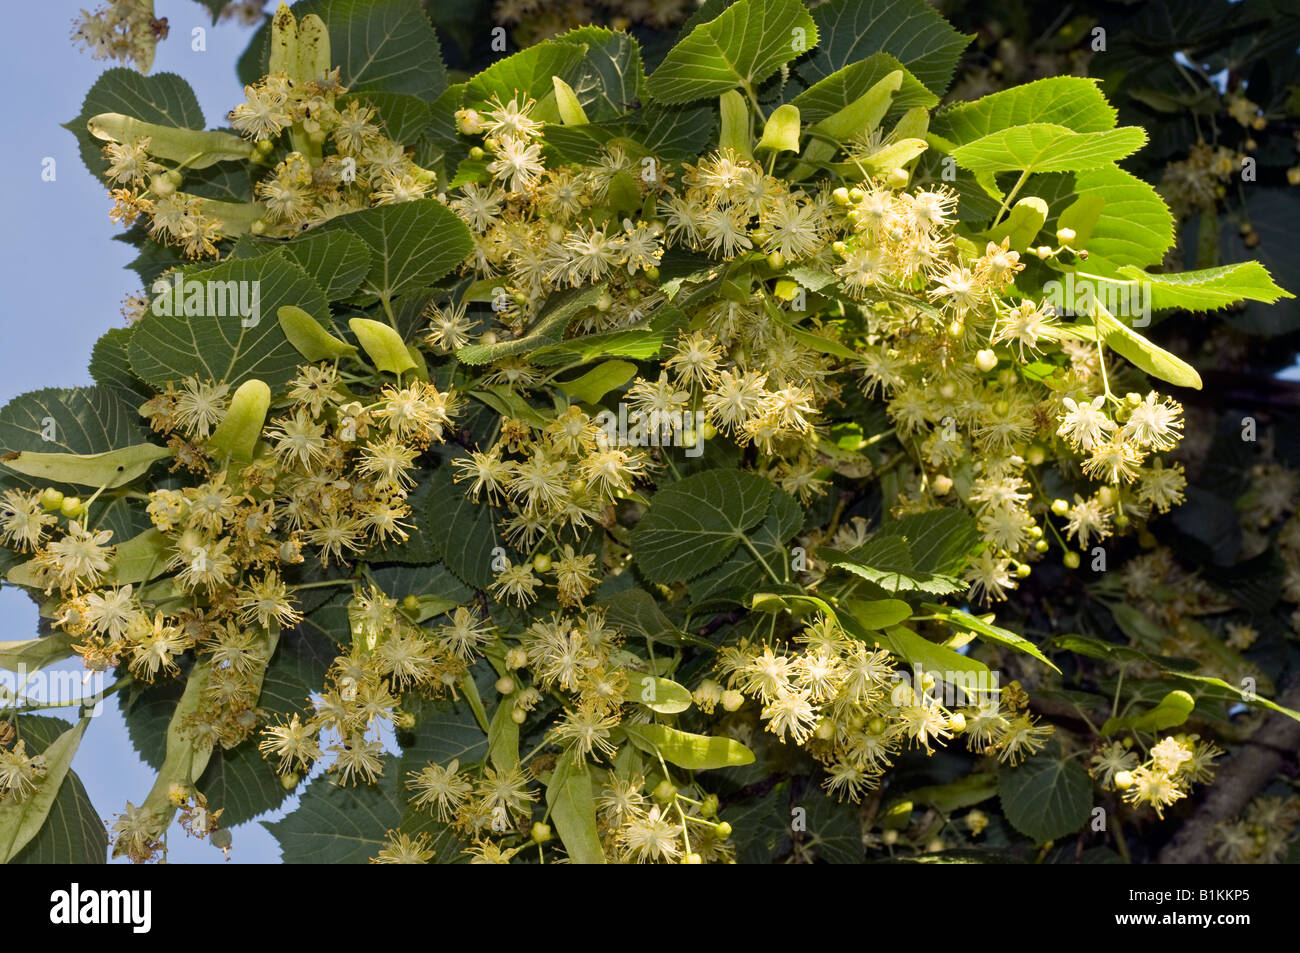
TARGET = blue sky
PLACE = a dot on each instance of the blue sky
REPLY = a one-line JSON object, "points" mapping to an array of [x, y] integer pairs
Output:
{"points": [[64, 279]]}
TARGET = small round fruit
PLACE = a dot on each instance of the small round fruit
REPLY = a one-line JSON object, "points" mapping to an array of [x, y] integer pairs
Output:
{"points": [[51, 498], [986, 360], [1123, 780], [518, 716], [723, 830], [541, 833], [1041, 546], [289, 781], [411, 604], [693, 858], [1060, 507], [1071, 560], [505, 685], [71, 507], [542, 562], [732, 700], [1023, 571], [665, 791]]}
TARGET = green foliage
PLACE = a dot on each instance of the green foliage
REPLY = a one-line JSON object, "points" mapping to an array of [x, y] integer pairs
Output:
{"points": [[405, 487]]}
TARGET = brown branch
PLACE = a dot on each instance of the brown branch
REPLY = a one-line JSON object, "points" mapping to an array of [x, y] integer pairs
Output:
{"points": [[1252, 767]]}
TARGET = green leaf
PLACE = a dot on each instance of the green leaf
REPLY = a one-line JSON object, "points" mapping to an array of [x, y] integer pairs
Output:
{"points": [[79, 419], [781, 131], [860, 117], [110, 367], [309, 337], [164, 98], [609, 78], [690, 751], [503, 736], [339, 825], [887, 561], [988, 630], [384, 346], [236, 435], [636, 614], [556, 315], [1209, 288], [735, 133], [73, 832], [139, 558], [742, 47], [939, 540], [468, 531], [694, 524], [444, 731], [1134, 227], [21, 820], [1022, 223], [910, 30], [1045, 798], [955, 795], [1152, 358], [382, 46], [661, 695], [405, 118], [33, 654], [1047, 147], [1074, 102], [526, 73], [108, 470], [1172, 711], [972, 675], [217, 343], [566, 100], [878, 614], [336, 261], [834, 92], [599, 381], [742, 573], [413, 244], [573, 808], [190, 148]]}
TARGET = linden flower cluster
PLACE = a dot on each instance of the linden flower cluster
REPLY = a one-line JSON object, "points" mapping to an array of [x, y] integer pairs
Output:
{"points": [[330, 483], [338, 161], [1261, 835], [578, 658], [390, 654], [1172, 766], [554, 484], [123, 30], [932, 315], [19, 771], [854, 709]]}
